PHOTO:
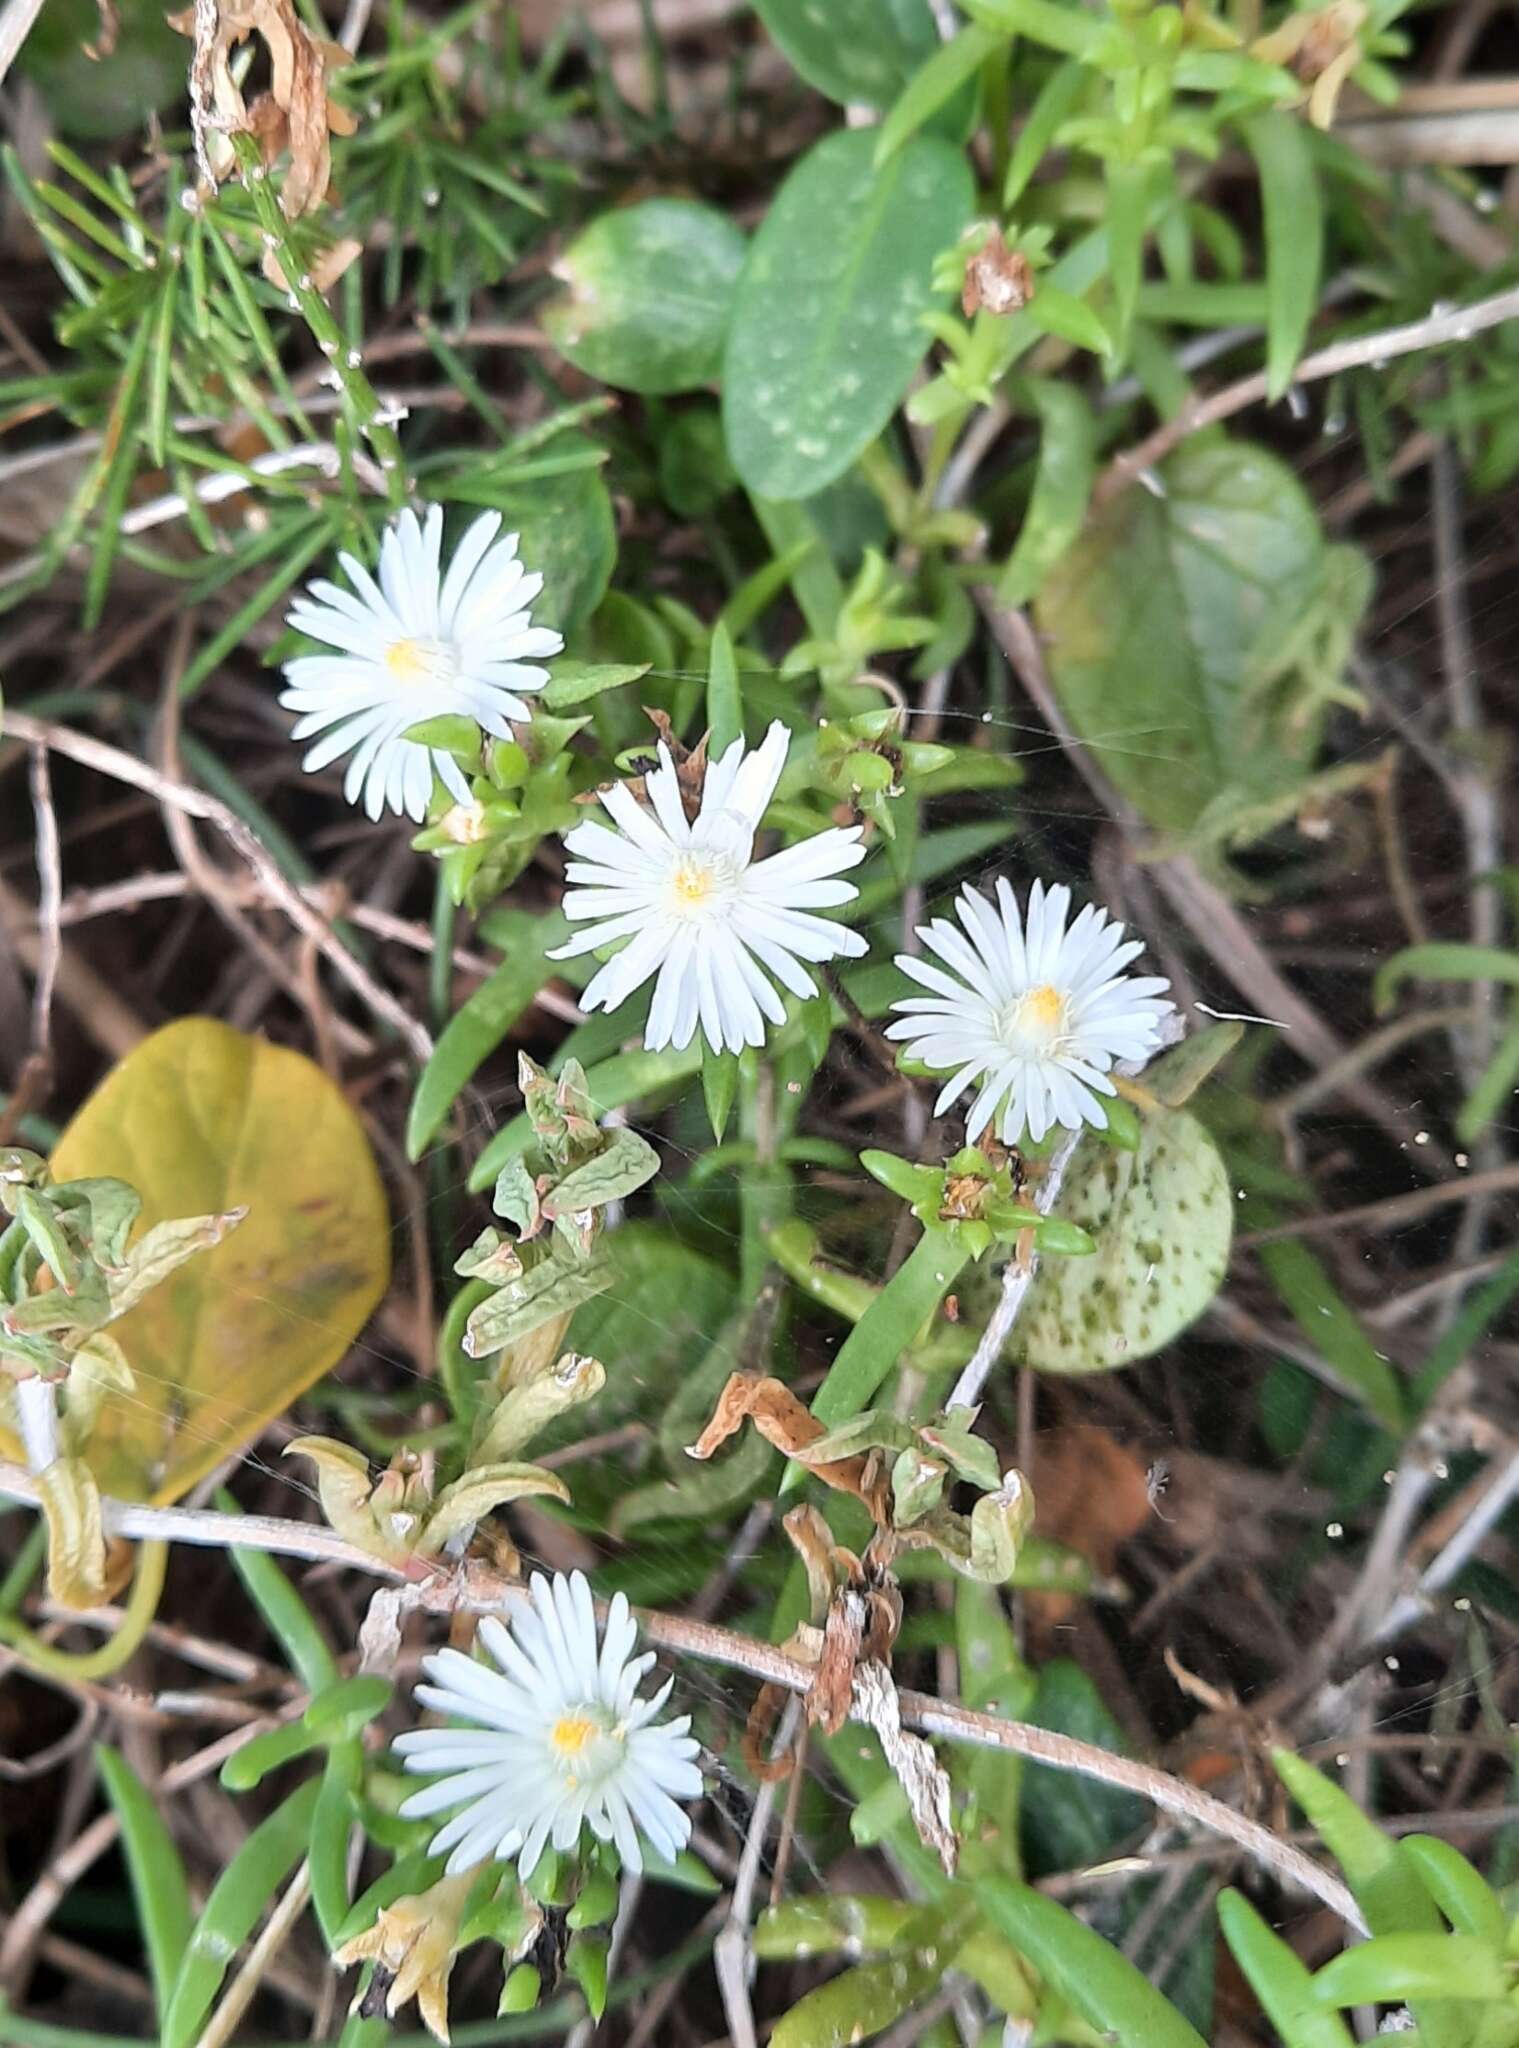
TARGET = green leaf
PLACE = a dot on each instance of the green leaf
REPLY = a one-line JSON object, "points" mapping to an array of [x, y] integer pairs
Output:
{"points": [[331, 1828], [824, 1923], [655, 1322], [1386, 1887], [1178, 1074], [1126, 218], [1448, 960], [888, 1326], [934, 83], [270, 1751], [1461, 1892], [1055, 102], [860, 2002], [343, 1709], [725, 716], [995, 1680], [159, 1886], [1072, 1821], [1062, 485], [1294, 222], [1278, 1978], [1481, 1309], [829, 322], [650, 293], [719, 1085], [1329, 1323], [1167, 624], [1390, 1967], [473, 1033], [853, 51], [611, 1083], [286, 1615], [575, 682], [523, 1305], [238, 1898], [1094, 1978], [1067, 28], [623, 1165], [1163, 1217]]}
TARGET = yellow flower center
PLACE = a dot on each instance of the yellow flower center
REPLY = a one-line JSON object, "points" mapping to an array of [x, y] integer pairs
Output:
{"points": [[1039, 1016], [571, 1734], [692, 882], [422, 661], [702, 882]]}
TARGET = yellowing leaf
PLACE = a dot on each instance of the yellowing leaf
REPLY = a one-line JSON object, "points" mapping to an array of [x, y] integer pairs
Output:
{"points": [[202, 1119]]}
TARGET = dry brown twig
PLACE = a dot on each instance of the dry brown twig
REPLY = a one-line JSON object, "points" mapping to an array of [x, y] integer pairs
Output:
{"points": [[475, 1589], [195, 803], [1439, 325]]}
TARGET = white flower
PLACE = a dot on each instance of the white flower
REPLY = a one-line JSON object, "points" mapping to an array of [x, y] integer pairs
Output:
{"points": [[1035, 1013], [560, 1738], [416, 645], [698, 910]]}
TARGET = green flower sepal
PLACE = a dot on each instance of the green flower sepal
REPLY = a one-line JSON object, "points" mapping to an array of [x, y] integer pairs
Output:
{"points": [[975, 1201]]}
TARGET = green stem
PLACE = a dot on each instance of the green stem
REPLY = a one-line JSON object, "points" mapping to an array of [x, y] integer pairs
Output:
{"points": [[147, 1587], [329, 337]]}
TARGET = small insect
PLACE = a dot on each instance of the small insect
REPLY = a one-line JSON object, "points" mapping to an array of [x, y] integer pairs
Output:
{"points": [[1157, 1479]]}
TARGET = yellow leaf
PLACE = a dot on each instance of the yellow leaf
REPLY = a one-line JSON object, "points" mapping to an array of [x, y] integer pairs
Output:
{"points": [[202, 1119]]}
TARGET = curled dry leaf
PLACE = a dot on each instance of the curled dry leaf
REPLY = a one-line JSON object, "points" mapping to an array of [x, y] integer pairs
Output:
{"points": [[781, 1420], [861, 1627], [916, 1768], [296, 114]]}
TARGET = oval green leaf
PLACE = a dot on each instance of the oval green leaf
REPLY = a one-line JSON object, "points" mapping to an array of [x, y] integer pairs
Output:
{"points": [[201, 1119], [650, 291], [1168, 621], [828, 326], [1094, 1978], [1293, 207], [1162, 1217]]}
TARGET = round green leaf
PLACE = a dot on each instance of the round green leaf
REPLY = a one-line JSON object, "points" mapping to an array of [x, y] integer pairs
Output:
{"points": [[650, 291], [828, 326], [1169, 620], [1162, 1218]]}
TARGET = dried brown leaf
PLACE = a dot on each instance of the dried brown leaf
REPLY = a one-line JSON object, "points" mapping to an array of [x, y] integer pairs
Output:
{"points": [[297, 114], [916, 1768], [781, 1420]]}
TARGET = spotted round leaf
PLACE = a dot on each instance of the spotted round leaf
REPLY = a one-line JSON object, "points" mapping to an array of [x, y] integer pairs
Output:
{"points": [[1162, 1218], [201, 1119], [650, 288]]}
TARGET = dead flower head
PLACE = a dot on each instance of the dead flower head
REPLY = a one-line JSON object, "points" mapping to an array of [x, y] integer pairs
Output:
{"points": [[997, 278], [1320, 46], [412, 1945]]}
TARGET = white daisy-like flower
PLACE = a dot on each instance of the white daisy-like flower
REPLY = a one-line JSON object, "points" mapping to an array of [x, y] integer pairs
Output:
{"points": [[1036, 1013], [698, 910], [560, 1739], [415, 645]]}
